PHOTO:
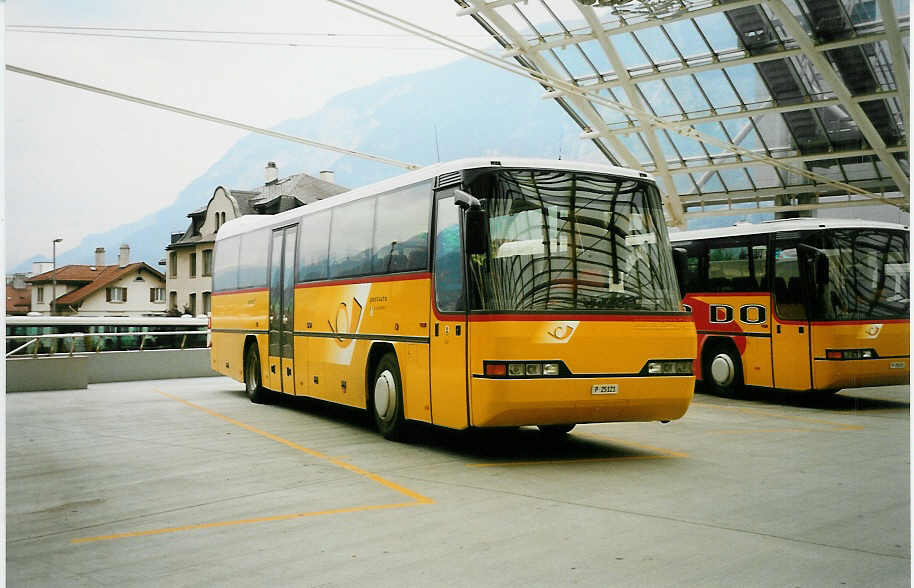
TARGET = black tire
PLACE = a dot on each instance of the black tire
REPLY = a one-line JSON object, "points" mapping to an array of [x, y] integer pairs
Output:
{"points": [[555, 430], [253, 381], [723, 371], [386, 398]]}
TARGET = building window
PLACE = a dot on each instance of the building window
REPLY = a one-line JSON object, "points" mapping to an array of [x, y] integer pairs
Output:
{"points": [[116, 294], [157, 295], [207, 262], [218, 218], [173, 264], [193, 265], [191, 307], [223, 218], [206, 303], [173, 300], [41, 294]]}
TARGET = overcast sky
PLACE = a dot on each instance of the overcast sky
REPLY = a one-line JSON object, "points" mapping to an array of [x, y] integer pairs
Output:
{"points": [[79, 163]]}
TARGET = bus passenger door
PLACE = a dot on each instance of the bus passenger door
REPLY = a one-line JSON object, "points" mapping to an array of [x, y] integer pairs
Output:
{"points": [[789, 324], [281, 376], [448, 332]]}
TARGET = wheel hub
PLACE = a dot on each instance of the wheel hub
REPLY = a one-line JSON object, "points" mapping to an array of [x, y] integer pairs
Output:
{"points": [[723, 371], [385, 395]]}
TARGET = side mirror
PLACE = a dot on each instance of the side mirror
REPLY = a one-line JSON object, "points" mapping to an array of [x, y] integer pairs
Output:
{"points": [[821, 270], [477, 231], [476, 225], [681, 263]]}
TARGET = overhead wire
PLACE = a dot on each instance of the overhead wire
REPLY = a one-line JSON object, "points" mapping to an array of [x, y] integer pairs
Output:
{"points": [[209, 117]]}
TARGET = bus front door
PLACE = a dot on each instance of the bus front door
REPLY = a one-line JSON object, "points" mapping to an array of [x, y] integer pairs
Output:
{"points": [[281, 375], [790, 361], [448, 336]]}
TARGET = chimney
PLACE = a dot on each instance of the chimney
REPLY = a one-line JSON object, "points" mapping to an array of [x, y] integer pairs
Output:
{"points": [[99, 256], [327, 175], [123, 257], [271, 174]]}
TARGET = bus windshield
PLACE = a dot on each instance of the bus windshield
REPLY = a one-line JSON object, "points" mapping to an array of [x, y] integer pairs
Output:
{"points": [[868, 276], [572, 241]]}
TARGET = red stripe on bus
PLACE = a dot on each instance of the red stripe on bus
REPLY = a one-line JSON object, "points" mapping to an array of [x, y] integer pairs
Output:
{"points": [[368, 280], [725, 294], [579, 317]]}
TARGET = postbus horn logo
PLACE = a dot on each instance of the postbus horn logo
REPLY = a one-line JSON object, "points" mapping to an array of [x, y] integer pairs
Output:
{"points": [[347, 316], [561, 332]]}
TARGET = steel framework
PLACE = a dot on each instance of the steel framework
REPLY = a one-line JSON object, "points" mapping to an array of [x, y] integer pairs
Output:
{"points": [[729, 103]]}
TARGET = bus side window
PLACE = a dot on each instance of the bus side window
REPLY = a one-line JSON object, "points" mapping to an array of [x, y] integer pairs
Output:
{"points": [[788, 287], [401, 230], [252, 261], [448, 259], [351, 228], [225, 268], [313, 240]]}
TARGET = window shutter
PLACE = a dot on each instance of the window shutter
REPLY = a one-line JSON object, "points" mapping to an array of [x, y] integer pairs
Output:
{"points": [[152, 295], [107, 294], [125, 294]]}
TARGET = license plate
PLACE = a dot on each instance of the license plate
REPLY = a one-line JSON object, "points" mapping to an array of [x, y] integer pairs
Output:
{"points": [[896, 365], [604, 389]]}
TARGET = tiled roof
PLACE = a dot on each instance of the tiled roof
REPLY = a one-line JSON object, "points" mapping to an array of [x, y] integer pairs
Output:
{"points": [[18, 300], [302, 187], [95, 279]]}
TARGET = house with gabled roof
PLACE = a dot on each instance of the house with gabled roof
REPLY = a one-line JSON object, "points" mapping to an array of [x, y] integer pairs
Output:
{"points": [[189, 258], [124, 289]]}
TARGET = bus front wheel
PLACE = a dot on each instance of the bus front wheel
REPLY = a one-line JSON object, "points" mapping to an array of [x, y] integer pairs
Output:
{"points": [[252, 376], [723, 371], [387, 398]]}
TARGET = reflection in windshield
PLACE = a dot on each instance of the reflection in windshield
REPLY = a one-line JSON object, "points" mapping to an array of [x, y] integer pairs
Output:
{"points": [[572, 241], [868, 276]]}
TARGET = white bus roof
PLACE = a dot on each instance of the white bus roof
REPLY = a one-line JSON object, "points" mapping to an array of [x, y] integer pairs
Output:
{"points": [[250, 222], [777, 226]]}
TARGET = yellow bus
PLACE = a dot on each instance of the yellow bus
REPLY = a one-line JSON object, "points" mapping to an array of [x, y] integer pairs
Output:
{"points": [[799, 304], [475, 293]]}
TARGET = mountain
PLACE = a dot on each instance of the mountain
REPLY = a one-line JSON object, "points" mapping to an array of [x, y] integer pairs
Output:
{"points": [[468, 108]]}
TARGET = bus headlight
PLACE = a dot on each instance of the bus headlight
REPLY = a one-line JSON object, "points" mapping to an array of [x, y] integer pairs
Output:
{"points": [[550, 369], [668, 367], [850, 354]]}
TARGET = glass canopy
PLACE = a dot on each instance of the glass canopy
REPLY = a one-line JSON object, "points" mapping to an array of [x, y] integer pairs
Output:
{"points": [[729, 103]]}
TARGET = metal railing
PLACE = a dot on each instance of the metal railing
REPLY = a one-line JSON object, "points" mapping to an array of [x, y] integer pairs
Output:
{"points": [[48, 336]]}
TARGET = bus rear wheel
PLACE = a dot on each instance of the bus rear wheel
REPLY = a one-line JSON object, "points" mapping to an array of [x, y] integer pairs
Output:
{"points": [[387, 398], [252, 377], [723, 371]]}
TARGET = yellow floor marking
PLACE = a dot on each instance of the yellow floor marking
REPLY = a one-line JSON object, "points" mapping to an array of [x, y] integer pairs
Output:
{"points": [[285, 517], [417, 498], [663, 454], [337, 462], [751, 431], [768, 413]]}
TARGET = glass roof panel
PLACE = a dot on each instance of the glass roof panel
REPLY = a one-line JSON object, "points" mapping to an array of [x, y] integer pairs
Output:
{"points": [[717, 89], [764, 176], [749, 84], [629, 52], [709, 183], [689, 95], [686, 38], [735, 179], [575, 61], [718, 32], [659, 98], [596, 55], [657, 44]]}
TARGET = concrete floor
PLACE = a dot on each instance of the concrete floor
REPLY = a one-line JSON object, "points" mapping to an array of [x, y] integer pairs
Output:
{"points": [[186, 483]]}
